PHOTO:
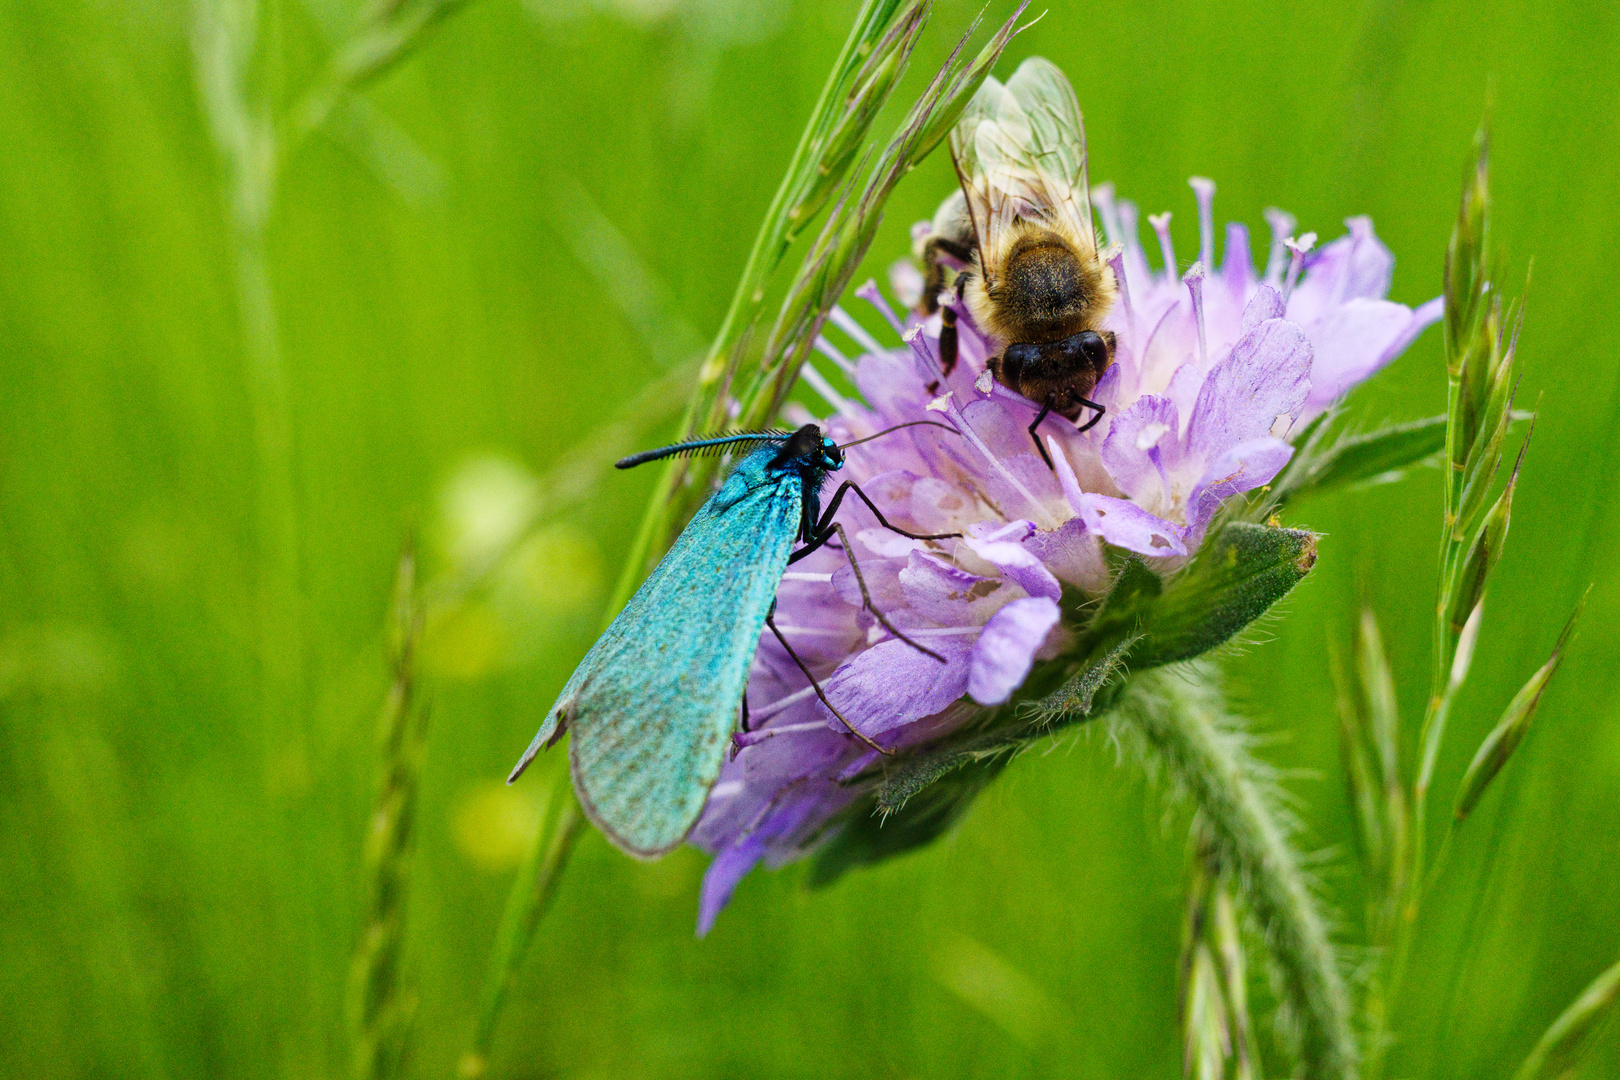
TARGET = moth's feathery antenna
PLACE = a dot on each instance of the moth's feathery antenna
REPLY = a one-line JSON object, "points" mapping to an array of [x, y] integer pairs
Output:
{"points": [[713, 444]]}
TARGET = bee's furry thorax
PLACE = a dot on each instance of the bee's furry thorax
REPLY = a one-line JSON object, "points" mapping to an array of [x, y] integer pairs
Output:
{"points": [[1041, 286]]}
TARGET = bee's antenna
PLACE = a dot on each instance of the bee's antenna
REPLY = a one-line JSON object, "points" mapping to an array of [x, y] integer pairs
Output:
{"points": [[897, 427]]}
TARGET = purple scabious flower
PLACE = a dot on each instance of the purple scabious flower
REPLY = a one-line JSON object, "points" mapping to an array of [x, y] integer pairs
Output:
{"points": [[1212, 373]]}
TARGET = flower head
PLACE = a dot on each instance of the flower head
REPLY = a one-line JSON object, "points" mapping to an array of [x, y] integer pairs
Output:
{"points": [[1213, 371]]}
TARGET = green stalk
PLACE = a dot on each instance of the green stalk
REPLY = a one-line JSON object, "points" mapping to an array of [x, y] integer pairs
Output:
{"points": [[381, 1005], [1479, 377], [871, 65], [1184, 730], [747, 301], [537, 881]]}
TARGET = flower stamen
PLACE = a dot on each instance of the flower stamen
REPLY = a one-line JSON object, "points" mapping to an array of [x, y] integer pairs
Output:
{"points": [[1115, 258], [831, 352], [1161, 225], [818, 382], [859, 334], [1296, 262], [1282, 227], [874, 296], [1194, 280], [1204, 192]]}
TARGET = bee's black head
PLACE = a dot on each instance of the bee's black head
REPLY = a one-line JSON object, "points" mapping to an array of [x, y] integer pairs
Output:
{"points": [[1087, 350]]}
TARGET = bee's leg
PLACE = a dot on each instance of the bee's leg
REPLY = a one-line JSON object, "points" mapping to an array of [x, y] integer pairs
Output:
{"points": [[745, 710], [770, 621], [1045, 410], [934, 279], [1089, 424], [933, 283], [947, 339], [867, 598]]}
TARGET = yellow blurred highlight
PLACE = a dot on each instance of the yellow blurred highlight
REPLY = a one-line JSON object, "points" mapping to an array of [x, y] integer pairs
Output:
{"points": [[465, 642], [485, 508], [494, 824], [991, 986], [558, 569]]}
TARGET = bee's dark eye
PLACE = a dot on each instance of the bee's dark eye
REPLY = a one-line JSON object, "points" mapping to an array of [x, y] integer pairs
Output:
{"points": [[1016, 357], [1094, 349]]}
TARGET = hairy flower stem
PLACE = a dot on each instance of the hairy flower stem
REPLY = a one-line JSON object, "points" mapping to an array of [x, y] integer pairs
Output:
{"points": [[1185, 731]]}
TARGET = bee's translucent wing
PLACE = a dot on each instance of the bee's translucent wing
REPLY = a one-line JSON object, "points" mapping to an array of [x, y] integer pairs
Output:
{"points": [[1020, 151]]}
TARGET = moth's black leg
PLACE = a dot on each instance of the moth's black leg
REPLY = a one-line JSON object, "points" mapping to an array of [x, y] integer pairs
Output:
{"points": [[1089, 424], [824, 531], [770, 621], [745, 711], [866, 598], [814, 544], [1045, 410], [807, 524]]}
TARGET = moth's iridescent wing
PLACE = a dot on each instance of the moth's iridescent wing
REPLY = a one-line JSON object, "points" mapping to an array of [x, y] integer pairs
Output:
{"points": [[653, 705]]}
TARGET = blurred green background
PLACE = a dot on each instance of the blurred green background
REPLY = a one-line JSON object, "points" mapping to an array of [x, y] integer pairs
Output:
{"points": [[475, 267]]}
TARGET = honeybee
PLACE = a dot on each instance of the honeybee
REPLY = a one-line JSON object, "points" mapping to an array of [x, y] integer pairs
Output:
{"points": [[1017, 236]]}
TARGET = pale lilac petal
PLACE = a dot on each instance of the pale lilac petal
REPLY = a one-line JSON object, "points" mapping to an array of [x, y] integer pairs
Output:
{"points": [[1184, 386], [1425, 316], [1126, 525], [1355, 266], [891, 491], [1018, 564], [937, 506], [1107, 386], [1065, 472], [729, 867], [1267, 376], [945, 594], [1006, 649], [1019, 531], [889, 544], [1242, 468], [893, 683], [1349, 343], [1071, 552], [1237, 264], [882, 577], [1267, 303], [890, 385], [1371, 265], [1151, 423]]}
